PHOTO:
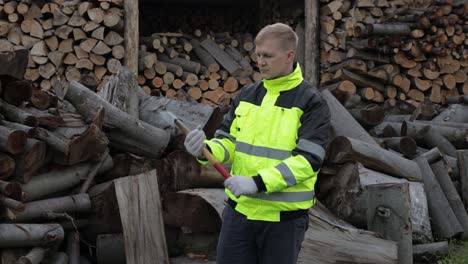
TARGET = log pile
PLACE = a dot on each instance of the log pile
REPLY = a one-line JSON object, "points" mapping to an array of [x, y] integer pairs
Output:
{"points": [[52, 156], [67, 40], [394, 51], [208, 68]]}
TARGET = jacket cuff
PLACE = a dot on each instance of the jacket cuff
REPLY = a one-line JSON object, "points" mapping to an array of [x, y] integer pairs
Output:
{"points": [[259, 182]]}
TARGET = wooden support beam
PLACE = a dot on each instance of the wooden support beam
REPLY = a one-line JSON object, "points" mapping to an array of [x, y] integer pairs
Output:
{"points": [[312, 36], [131, 35]]}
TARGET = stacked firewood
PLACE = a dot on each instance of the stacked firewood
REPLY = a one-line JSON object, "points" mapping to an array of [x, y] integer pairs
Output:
{"points": [[209, 68], [68, 40], [50, 156], [394, 51]]}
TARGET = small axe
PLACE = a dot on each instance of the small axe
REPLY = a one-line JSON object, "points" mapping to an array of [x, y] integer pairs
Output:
{"points": [[206, 152]]}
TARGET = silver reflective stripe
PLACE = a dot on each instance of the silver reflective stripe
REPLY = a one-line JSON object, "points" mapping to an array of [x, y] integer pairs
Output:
{"points": [[220, 132], [285, 196], [287, 174], [312, 148], [265, 152], [226, 152]]}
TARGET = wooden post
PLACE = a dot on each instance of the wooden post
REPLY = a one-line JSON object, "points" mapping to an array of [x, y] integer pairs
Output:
{"points": [[312, 54], [389, 214], [131, 35], [141, 214]]}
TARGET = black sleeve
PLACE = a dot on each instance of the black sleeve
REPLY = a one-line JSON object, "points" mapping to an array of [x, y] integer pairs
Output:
{"points": [[315, 128]]}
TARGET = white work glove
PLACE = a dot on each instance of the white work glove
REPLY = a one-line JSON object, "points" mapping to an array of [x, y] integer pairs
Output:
{"points": [[241, 185], [194, 142]]}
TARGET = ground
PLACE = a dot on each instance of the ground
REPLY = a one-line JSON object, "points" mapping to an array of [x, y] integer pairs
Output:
{"points": [[458, 253]]}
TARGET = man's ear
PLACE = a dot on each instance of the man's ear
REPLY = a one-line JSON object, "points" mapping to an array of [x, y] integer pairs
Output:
{"points": [[291, 56]]}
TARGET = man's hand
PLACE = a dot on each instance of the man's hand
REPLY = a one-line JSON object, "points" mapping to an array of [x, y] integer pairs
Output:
{"points": [[194, 142], [241, 185]]}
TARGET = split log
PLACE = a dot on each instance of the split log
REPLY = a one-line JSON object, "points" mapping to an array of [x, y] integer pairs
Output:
{"points": [[388, 214], [343, 124], [30, 235], [38, 209], [444, 221], [121, 92], [142, 220], [86, 102], [346, 195], [441, 172], [344, 149]]}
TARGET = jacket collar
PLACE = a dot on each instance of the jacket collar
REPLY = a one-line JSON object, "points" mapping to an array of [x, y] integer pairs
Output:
{"points": [[284, 83]]}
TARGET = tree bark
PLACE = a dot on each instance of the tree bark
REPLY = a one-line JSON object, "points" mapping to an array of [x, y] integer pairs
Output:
{"points": [[87, 103], [343, 124], [36, 210], [441, 172], [30, 235], [58, 180], [344, 149]]}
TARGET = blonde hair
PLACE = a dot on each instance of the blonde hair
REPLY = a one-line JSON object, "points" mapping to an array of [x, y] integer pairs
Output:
{"points": [[286, 35]]}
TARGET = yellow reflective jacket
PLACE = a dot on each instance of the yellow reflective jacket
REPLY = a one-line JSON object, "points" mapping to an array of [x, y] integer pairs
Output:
{"points": [[276, 132]]}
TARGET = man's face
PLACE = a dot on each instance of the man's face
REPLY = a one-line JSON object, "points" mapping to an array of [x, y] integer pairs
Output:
{"points": [[273, 60]]}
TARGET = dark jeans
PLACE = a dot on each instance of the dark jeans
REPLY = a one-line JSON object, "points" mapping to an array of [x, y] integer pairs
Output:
{"points": [[243, 241]]}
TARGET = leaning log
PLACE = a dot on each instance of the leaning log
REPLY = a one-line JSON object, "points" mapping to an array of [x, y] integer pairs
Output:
{"points": [[344, 149], [87, 103], [462, 156], [444, 222], [441, 172], [30, 235], [343, 123]]}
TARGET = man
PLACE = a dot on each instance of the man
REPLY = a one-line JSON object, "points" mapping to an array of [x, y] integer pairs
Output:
{"points": [[275, 135]]}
